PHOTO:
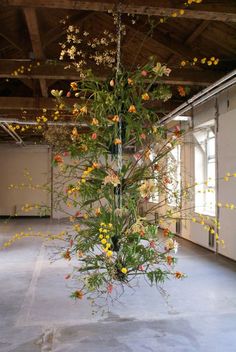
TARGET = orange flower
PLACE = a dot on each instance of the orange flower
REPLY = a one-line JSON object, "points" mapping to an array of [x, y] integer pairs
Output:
{"points": [[96, 165], [166, 232], [132, 109], [97, 211], [115, 118], [78, 294], [179, 275], [58, 159], [145, 96], [117, 141], [94, 136], [169, 259], [66, 255], [74, 86], [130, 82]]}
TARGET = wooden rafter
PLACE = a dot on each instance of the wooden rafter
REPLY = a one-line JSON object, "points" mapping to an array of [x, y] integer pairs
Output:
{"points": [[32, 24], [193, 36], [16, 107], [55, 71], [221, 12], [57, 32]]}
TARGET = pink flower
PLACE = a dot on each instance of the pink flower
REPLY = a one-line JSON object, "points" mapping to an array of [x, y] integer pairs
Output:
{"points": [[144, 73], [137, 156], [67, 276], [94, 136], [152, 244], [143, 136], [68, 94], [141, 268], [109, 288]]}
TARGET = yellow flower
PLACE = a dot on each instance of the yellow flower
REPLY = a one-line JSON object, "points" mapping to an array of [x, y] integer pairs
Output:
{"points": [[94, 122], [145, 96], [103, 241], [132, 109], [174, 14], [101, 237], [130, 81], [74, 132], [109, 253], [84, 110], [183, 63], [124, 270], [110, 225], [181, 12], [74, 86]]}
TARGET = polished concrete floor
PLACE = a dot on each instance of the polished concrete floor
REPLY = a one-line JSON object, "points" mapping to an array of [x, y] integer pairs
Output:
{"points": [[37, 315]]}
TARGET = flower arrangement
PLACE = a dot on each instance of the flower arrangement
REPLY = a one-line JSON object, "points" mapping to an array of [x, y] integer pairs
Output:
{"points": [[115, 167]]}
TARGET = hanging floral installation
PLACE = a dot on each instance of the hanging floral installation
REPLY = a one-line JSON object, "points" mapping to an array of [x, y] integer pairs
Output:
{"points": [[111, 159]]}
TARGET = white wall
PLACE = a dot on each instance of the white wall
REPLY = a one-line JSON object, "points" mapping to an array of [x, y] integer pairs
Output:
{"points": [[227, 190], [226, 159], [14, 161]]}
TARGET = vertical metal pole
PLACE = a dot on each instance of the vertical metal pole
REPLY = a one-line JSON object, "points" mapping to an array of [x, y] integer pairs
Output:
{"points": [[120, 152], [217, 209]]}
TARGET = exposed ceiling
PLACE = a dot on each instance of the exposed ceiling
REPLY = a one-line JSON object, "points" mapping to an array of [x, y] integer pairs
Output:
{"points": [[31, 30]]}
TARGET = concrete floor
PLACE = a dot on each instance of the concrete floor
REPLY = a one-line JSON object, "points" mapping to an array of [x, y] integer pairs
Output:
{"points": [[37, 315]]}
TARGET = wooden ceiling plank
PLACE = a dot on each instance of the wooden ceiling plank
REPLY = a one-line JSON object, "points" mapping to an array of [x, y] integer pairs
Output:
{"points": [[12, 107], [162, 9], [56, 71], [32, 24]]}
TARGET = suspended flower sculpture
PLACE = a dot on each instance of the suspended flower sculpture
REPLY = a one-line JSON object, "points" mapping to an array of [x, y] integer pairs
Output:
{"points": [[112, 174]]}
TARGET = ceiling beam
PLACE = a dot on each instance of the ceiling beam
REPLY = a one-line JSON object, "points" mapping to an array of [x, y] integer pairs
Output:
{"points": [[16, 107], [225, 12], [29, 103], [193, 36], [57, 32], [32, 24], [55, 70], [157, 40]]}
